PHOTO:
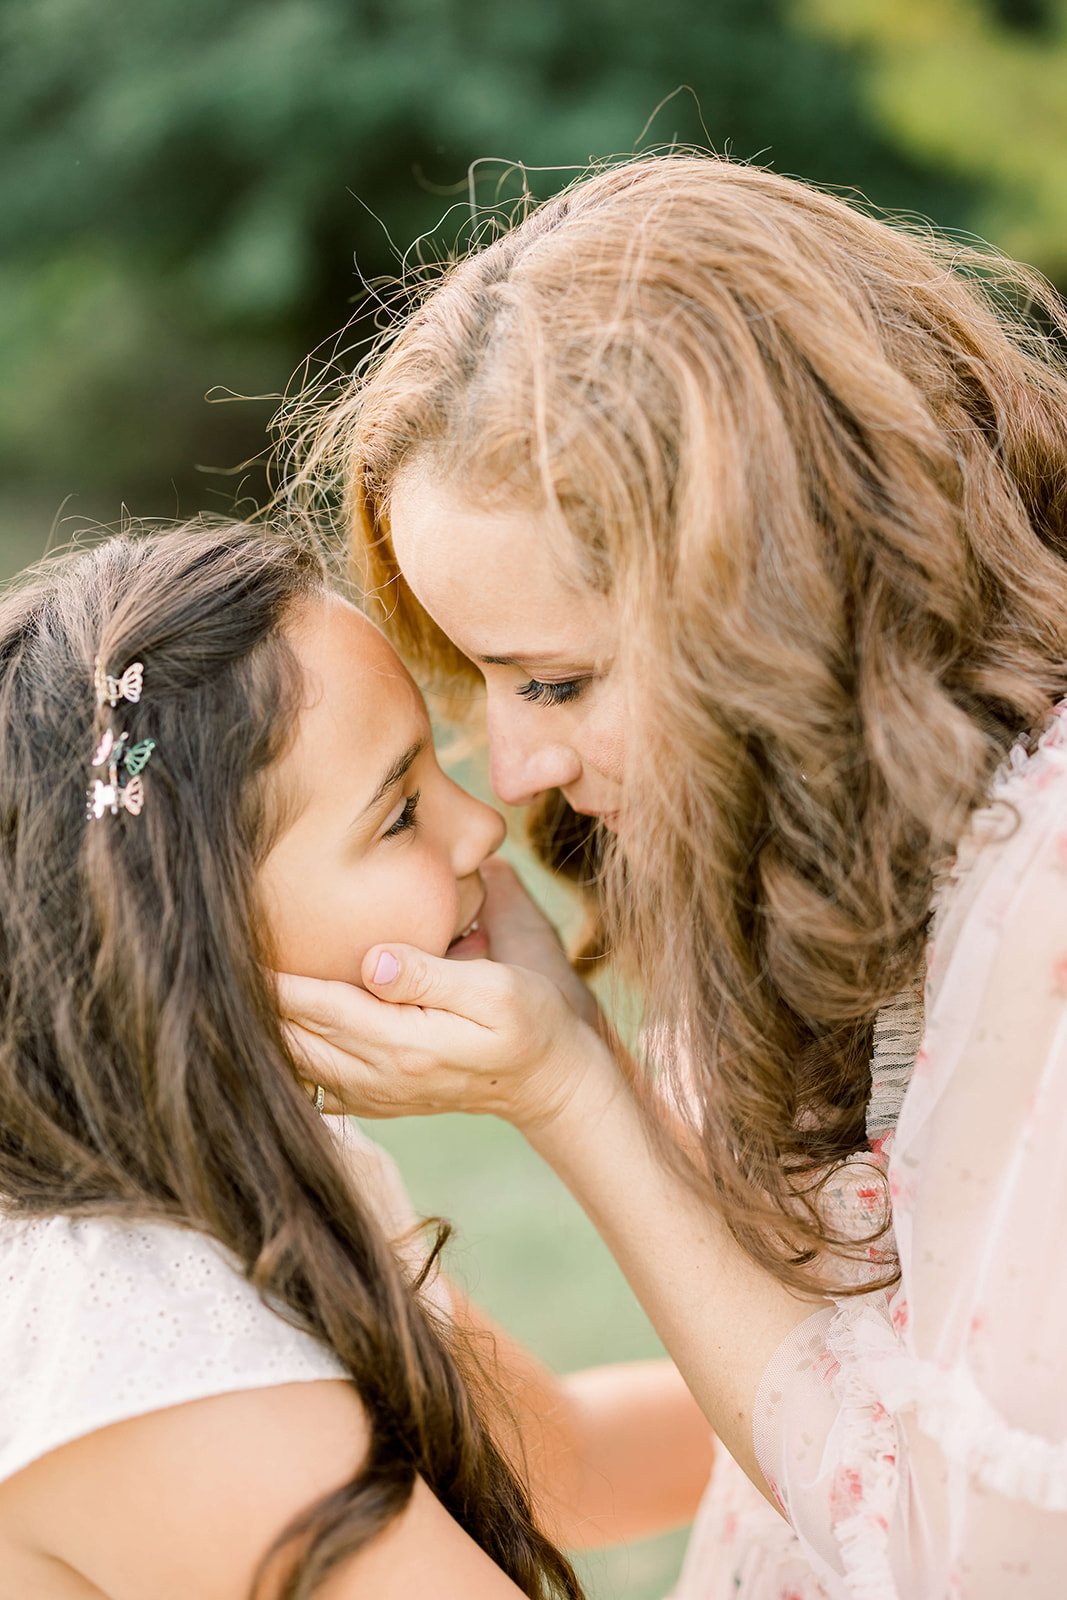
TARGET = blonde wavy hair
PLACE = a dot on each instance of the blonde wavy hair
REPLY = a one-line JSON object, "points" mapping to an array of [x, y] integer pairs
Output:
{"points": [[820, 462]]}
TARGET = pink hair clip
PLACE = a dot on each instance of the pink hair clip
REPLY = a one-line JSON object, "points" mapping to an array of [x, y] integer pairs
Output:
{"points": [[110, 797], [104, 749], [112, 690]]}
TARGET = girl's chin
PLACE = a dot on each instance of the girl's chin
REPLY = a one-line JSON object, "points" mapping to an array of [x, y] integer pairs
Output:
{"points": [[475, 947]]}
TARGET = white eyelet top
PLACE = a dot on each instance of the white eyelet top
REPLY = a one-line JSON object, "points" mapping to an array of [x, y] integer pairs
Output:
{"points": [[102, 1320]]}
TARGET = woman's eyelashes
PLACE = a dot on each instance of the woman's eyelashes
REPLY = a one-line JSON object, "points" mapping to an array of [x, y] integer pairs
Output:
{"points": [[552, 694], [405, 818]]}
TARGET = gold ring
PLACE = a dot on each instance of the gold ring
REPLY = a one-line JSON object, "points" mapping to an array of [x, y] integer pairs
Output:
{"points": [[320, 1097]]}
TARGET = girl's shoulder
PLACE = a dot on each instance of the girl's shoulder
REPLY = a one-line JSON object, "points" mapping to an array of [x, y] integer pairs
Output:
{"points": [[103, 1319]]}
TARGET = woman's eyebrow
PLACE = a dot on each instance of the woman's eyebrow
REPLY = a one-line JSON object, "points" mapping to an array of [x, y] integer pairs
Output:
{"points": [[394, 773], [531, 660]]}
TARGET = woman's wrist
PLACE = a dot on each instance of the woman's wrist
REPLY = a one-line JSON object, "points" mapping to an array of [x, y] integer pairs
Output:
{"points": [[590, 1083]]}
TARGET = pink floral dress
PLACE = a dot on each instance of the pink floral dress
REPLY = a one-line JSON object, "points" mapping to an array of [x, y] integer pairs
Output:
{"points": [[917, 1438]]}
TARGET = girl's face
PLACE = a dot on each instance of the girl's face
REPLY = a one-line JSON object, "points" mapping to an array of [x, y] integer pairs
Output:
{"points": [[545, 647], [377, 844]]}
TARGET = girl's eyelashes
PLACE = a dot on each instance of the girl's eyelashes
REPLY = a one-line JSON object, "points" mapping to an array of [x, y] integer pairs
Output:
{"points": [[406, 819], [552, 694]]}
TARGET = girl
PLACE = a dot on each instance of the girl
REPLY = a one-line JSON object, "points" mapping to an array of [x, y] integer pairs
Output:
{"points": [[750, 514], [216, 1378]]}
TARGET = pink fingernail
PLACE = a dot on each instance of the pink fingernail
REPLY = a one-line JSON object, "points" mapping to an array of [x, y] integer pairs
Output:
{"points": [[387, 968]]}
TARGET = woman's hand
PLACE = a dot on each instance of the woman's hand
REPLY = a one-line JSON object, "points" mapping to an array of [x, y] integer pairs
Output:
{"points": [[470, 1036], [520, 935]]}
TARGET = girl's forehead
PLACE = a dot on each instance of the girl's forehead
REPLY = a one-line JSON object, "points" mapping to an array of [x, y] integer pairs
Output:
{"points": [[350, 668], [360, 710], [330, 627]]}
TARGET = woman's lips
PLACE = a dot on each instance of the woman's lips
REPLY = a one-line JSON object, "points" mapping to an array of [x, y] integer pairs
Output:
{"points": [[607, 819]]}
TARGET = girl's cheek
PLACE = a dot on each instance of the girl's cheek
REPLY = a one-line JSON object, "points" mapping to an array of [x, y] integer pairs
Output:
{"points": [[435, 894]]}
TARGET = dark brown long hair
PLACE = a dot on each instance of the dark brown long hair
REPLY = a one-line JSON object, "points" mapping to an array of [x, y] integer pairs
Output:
{"points": [[820, 462], [143, 1069]]}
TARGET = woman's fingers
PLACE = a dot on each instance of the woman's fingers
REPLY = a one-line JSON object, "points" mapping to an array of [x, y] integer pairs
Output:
{"points": [[318, 1063], [342, 1030], [403, 976], [446, 1036], [353, 1086], [519, 932], [384, 1060], [319, 1003], [507, 900], [471, 990], [522, 936]]}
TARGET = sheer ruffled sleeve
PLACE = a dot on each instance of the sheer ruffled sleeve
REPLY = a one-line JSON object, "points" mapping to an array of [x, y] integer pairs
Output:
{"points": [[918, 1440]]}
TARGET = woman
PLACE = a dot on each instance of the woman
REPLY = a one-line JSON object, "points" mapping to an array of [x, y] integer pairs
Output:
{"points": [[750, 512]]}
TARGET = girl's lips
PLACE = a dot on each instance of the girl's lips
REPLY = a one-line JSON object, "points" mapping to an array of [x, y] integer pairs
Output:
{"points": [[471, 945]]}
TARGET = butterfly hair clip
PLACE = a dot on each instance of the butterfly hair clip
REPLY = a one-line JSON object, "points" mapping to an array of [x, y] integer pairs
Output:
{"points": [[116, 795], [111, 797], [111, 690]]}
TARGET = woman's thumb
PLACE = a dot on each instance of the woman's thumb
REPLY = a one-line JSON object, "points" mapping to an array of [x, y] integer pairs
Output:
{"points": [[402, 974]]}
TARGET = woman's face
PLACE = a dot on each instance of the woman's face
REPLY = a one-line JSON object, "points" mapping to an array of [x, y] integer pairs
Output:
{"points": [[377, 844], [544, 643]]}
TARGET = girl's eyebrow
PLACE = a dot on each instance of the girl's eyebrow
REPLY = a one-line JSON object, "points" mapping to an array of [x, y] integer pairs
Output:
{"points": [[393, 774]]}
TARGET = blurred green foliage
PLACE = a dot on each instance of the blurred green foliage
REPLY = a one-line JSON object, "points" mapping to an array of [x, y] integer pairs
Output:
{"points": [[185, 184], [980, 88]]}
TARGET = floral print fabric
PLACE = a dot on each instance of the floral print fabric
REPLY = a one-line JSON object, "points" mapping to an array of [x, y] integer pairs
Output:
{"points": [[917, 1439]]}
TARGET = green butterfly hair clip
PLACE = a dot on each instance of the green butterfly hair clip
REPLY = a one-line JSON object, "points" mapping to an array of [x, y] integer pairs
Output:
{"points": [[114, 796], [136, 758]]}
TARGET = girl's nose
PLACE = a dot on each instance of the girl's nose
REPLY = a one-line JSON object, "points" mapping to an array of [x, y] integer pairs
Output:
{"points": [[480, 832]]}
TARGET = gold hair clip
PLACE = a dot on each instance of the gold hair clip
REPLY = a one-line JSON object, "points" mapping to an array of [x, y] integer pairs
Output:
{"points": [[112, 690]]}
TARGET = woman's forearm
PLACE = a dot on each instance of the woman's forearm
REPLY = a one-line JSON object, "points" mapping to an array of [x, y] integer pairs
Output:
{"points": [[719, 1314]]}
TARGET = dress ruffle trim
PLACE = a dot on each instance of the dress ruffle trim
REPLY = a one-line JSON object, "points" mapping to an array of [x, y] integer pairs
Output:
{"points": [[864, 1494], [898, 1032], [997, 818], [879, 1380]]}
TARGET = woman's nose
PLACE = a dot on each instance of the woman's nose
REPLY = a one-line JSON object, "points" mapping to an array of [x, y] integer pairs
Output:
{"points": [[522, 766]]}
